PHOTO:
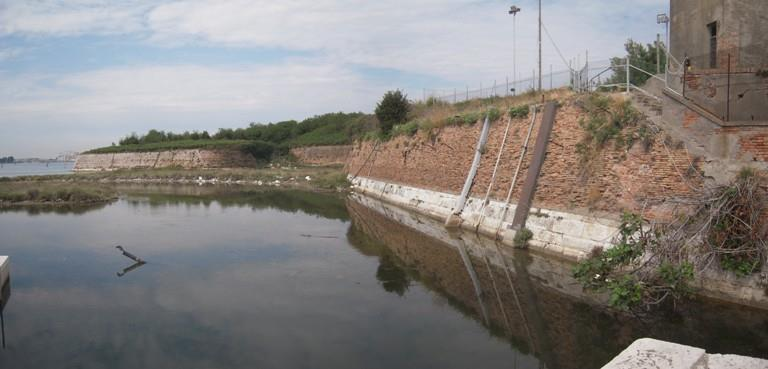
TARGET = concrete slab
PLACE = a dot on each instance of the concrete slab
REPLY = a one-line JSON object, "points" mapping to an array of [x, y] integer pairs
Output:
{"points": [[717, 361], [651, 353]]}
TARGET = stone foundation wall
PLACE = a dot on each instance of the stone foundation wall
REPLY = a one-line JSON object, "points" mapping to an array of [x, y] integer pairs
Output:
{"points": [[186, 159], [322, 155]]}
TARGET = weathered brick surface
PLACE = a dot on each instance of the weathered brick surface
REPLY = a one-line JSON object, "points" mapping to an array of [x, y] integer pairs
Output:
{"points": [[164, 159], [631, 180], [756, 144], [322, 155]]}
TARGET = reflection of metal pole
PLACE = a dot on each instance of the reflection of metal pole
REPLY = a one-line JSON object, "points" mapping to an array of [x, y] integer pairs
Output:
{"points": [[130, 268], [2, 326], [475, 281]]}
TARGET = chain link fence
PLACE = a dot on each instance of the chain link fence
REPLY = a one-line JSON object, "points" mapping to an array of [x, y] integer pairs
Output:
{"points": [[577, 79]]}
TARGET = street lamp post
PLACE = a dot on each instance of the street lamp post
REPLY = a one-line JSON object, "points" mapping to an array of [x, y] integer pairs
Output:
{"points": [[514, 10], [664, 19]]}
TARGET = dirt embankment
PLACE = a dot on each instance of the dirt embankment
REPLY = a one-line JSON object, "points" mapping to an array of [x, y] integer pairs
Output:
{"points": [[187, 159], [617, 180], [322, 155]]}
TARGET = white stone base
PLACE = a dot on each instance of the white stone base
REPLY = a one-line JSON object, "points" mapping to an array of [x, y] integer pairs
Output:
{"points": [[565, 234], [651, 353]]}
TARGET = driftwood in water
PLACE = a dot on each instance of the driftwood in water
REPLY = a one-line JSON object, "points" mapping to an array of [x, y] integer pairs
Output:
{"points": [[129, 255]]}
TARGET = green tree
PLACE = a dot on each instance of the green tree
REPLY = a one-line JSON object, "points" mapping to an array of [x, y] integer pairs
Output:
{"points": [[640, 56], [392, 110]]}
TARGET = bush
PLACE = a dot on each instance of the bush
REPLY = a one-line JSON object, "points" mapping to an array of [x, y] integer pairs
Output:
{"points": [[259, 149], [494, 114], [392, 110], [408, 129], [522, 237], [518, 111]]}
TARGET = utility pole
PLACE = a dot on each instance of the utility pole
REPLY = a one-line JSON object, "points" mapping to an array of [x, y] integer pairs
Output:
{"points": [[540, 46], [514, 10]]}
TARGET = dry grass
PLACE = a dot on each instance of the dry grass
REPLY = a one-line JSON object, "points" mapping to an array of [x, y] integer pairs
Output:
{"points": [[435, 114]]}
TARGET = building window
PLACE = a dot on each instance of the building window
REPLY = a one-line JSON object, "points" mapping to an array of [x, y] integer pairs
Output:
{"points": [[712, 27]]}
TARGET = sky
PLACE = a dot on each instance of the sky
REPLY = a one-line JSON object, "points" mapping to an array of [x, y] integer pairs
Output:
{"points": [[79, 74]]}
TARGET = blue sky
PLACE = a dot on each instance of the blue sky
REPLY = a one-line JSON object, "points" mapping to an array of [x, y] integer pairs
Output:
{"points": [[77, 74]]}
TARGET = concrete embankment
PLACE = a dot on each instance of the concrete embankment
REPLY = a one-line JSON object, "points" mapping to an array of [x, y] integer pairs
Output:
{"points": [[188, 159]]}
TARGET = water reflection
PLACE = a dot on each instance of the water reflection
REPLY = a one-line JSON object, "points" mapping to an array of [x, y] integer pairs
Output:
{"points": [[233, 286], [63, 209], [235, 282], [533, 302]]}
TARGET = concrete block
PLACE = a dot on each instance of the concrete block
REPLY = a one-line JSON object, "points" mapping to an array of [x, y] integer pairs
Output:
{"points": [[569, 225], [651, 353], [717, 361]]}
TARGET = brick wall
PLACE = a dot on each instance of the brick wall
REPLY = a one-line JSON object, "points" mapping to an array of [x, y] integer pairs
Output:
{"points": [[322, 155], [632, 180], [164, 159]]}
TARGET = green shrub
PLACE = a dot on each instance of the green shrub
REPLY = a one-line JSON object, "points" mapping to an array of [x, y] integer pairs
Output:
{"points": [[408, 129], [522, 237], [259, 149], [519, 111], [494, 114], [391, 110]]}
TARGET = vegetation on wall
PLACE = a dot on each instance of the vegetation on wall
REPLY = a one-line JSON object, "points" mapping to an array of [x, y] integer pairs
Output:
{"points": [[648, 264], [609, 120]]}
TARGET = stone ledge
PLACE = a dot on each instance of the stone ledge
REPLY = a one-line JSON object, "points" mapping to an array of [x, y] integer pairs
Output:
{"points": [[651, 353]]}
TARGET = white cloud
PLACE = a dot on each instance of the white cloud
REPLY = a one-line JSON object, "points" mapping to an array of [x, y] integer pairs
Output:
{"points": [[299, 85], [458, 40], [73, 17], [10, 53]]}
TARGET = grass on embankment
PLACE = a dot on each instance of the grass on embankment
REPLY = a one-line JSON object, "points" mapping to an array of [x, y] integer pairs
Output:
{"points": [[173, 145], [52, 193], [435, 114]]}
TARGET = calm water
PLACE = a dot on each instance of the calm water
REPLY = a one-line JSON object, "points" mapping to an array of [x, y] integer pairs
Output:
{"points": [[300, 280], [36, 169]]}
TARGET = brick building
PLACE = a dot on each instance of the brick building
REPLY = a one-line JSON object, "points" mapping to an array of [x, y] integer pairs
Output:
{"points": [[721, 51]]}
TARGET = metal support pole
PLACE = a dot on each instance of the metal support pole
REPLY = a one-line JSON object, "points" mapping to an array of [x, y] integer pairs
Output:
{"points": [[628, 83], [586, 71], [514, 52], [658, 54]]}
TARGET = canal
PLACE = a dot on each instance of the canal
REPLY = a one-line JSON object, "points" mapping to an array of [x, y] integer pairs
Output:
{"points": [[287, 279]]}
